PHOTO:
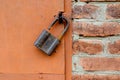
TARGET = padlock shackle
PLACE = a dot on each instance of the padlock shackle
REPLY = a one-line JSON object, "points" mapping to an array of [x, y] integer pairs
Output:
{"points": [[51, 25], [65, 29]]}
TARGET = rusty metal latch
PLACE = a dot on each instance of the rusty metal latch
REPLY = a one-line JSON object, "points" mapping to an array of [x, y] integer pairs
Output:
{"points": [[46, 41]]}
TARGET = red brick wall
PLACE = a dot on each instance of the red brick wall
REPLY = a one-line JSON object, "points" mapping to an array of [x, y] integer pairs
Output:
{"points": [[96, 40]]}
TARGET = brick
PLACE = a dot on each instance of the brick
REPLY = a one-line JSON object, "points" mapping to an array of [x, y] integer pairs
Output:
{"points": [[100, 29], [97, 0], [87, 46], [113, 11], [84, 11], [96, 77], [103, 64], [114, 48]]}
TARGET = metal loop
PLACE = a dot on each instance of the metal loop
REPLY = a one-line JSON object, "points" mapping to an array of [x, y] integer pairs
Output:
{"points": [[65, 29], [60, 17], [52, 23]]}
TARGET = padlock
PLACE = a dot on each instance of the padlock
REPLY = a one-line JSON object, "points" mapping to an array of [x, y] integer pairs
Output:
{"points": [[46, 41]]}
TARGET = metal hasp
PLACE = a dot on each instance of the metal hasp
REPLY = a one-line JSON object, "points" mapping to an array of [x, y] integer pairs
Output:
{"points": [[46, 41]]}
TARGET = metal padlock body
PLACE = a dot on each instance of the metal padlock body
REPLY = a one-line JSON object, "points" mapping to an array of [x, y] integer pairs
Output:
{"points": [[46, 42]]}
